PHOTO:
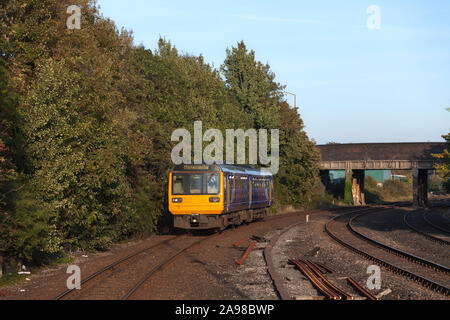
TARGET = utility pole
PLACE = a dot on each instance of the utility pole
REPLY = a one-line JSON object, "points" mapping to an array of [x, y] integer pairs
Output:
{"points": [[295, 98]]}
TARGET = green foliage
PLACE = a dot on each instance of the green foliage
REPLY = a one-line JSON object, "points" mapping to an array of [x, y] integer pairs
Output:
{"points": [[443, 168], [370, 183], [8, 173], [348, 192], [392, 190], [86, 121], [396, 189], [299, 170], [252, 83], [12, 279], [33, 231]]}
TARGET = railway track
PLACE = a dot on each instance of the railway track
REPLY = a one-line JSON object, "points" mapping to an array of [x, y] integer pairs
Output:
{"points": [[278, 284], [123, 267], [68, 293], [407, 220], [116, 270], [396, 251], [314, 273], [159, 267], [415, 268], [131, 286], [426, 217]]}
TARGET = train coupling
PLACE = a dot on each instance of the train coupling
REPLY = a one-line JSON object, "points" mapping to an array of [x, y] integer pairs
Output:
{"points": [[195, 220]]}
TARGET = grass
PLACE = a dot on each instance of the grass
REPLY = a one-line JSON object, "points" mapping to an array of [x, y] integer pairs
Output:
{"points": [[62, 260], [12, 279]]}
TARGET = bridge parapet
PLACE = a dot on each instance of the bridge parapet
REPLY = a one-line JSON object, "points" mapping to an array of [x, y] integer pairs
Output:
{"points": [[377, 165]]}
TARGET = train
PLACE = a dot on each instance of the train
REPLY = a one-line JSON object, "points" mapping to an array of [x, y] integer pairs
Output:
{"points": [[217, 196]]}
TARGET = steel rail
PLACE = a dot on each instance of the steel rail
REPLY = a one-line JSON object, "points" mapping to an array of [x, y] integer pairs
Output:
{"points": [[246, 253], [427, 220], [389, 266], [328, 292], [239, 242], [112, 265], [327, 282], [325, 267], [315, 265], [426, 235], [362, 290], [398, 252]]}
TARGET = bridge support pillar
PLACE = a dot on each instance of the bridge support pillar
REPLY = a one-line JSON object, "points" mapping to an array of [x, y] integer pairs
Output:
{"points": [[420, 188], [325, 178], [354, 187], [358, 178]]}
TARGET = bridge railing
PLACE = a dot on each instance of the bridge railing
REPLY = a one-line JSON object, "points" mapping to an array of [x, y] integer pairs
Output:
{"points": [[378, 164]]}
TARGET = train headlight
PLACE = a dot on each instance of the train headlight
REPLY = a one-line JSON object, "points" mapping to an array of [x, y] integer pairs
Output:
{"points": [[177, 200], [214, 199]]}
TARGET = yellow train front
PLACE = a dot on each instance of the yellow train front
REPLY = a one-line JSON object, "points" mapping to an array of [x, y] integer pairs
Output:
{"points": [[216, 196]]}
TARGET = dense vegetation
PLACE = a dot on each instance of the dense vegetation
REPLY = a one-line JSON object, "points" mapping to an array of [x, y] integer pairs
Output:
{"points": [[86, 120], [443, 169], [391, 190]]}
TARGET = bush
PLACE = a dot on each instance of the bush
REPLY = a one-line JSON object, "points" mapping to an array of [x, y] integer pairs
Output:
{"points": [[32, 231]]}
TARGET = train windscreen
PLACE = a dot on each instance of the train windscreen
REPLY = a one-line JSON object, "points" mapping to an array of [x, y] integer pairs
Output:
{"points": [[195, 183]]}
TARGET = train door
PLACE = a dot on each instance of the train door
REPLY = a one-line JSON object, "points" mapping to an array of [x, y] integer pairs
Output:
{"points": [[231, 190], [225, 192], [271, 190]]}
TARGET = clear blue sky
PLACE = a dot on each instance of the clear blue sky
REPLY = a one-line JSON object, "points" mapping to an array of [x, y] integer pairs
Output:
{"points": [[352, 84]]}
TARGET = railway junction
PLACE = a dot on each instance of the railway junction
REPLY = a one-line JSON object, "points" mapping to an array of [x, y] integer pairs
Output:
{"points": [[307, 255]]}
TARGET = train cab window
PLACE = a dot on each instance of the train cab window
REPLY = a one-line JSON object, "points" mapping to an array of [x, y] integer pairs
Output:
{"points": [[178, 184], [195, 184], [212, 183]]}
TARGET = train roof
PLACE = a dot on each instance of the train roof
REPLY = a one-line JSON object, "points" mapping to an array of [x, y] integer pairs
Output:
{"points": [[242, 169]]}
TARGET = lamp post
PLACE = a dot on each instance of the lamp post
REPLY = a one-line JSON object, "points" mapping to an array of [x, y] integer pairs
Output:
{"points": [[295, 98]]}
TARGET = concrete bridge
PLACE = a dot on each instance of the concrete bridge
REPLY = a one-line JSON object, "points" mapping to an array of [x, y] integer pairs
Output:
{"points": [[355, 158]]}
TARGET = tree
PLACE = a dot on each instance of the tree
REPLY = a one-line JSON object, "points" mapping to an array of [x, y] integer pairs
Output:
{"points": [[252, 83], [71, 136], [299, 158], [86, 120], [443, 168], [261, 98], [8, 173]]}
